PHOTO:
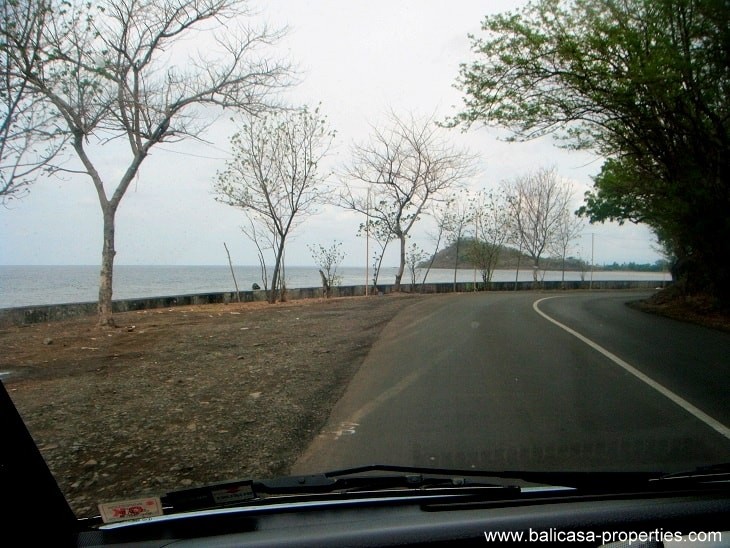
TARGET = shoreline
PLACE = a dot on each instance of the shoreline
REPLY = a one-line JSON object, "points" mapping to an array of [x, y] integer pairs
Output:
{"points": [[26, 315], [40, 286]]}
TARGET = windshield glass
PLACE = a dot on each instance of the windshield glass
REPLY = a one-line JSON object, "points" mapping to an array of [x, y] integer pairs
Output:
{"points": [[252, 240]]}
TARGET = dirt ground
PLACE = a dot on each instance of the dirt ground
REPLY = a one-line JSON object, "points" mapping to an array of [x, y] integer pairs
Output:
{"points": [[186, 396], [697, 309]]}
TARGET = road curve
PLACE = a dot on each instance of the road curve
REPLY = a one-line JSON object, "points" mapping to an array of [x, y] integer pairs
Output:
{"points": [[488, 381]]}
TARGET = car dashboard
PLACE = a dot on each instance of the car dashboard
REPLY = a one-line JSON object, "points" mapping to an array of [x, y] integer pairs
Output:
{"points": [[641, 519]]}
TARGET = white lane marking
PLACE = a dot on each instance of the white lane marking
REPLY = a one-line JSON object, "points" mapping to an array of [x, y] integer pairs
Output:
{"points": [[344, 429], [684, 404]]}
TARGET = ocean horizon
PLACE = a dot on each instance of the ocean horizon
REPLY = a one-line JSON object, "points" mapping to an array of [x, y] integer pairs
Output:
{"points": [[59, 284]]}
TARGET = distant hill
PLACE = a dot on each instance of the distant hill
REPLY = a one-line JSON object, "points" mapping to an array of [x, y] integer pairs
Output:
{"points": [[508, 259], [509, 255]]}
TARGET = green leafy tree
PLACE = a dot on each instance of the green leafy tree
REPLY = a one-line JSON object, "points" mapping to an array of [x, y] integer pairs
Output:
{"points": [[644, 83]]}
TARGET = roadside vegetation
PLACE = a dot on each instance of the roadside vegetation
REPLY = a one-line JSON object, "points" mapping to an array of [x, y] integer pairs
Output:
{"points": [[644, 85]]}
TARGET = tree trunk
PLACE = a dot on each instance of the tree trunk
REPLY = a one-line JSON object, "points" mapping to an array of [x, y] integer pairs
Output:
{"points": [[377, 266], [402, 267], [430, 264], [233, 274], [106, 318], [275, 275], [326, 290]]}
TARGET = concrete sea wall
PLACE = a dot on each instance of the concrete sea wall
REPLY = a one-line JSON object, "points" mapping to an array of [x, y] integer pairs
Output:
{"points": [[47, 313]]}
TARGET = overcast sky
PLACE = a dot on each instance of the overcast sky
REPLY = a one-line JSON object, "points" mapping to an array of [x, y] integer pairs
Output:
{"points": [[359, 59]]}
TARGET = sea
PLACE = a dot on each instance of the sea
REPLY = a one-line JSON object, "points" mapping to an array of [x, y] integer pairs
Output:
{"points": [[40, 285]]}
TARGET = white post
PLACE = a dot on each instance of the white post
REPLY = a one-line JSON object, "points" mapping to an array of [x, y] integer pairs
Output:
{"points": [[519, 257], [593, 234], [367, 247]]}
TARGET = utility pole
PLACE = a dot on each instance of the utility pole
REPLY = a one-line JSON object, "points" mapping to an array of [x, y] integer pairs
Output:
{"points": [[590, 285], [519, 256], [476, 242], [367, 246]]}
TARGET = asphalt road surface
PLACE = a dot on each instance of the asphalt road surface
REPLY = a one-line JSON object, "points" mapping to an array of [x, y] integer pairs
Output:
{"points": [[533, 381]]}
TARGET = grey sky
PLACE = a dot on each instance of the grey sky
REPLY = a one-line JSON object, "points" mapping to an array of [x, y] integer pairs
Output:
{"points": [[359, 59]]}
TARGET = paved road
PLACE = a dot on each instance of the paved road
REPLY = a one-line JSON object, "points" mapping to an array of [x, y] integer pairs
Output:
{"points": [[487, 381]]}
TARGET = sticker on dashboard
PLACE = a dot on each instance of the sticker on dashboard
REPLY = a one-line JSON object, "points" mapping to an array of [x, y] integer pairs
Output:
{"points": [[123, 510]]}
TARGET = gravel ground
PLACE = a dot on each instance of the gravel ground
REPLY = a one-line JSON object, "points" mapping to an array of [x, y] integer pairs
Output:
{"points": [[186, 396]]}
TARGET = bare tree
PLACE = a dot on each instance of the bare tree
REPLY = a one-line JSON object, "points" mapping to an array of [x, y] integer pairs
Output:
{"points": [[122, 71], [458, 215], [253, 233], [492, 230], [380, 233], [274, 176], [328, 260], [406, 166], [440, 215], [568, 228], [537, 202], [29, 140], [414, 256]]}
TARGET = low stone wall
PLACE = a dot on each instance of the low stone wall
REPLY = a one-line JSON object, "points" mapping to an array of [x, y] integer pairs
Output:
{"points": [[47, 313]]}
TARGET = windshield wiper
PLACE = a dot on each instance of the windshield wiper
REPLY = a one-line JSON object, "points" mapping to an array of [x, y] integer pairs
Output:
{"points": [[713, 475], [362, 482], [377, 481]]}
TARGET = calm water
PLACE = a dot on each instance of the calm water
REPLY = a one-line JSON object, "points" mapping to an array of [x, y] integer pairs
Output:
{"points": [[34, 285]]}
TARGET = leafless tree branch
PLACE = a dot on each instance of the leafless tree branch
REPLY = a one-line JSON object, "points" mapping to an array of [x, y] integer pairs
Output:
{"points": [[406, 165], [274, 176], [103, 71]]}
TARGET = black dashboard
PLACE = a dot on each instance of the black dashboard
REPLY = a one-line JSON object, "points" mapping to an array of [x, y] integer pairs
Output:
{"points": [[641, 520]]}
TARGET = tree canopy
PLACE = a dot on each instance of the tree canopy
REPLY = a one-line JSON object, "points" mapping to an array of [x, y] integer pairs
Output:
{"points": [[643, 83], [29, 139], [90, 74]]}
